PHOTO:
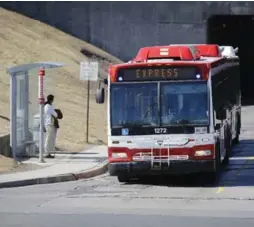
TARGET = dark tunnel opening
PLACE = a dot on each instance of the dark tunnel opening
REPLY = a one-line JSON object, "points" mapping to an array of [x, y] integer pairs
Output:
{"points": [[236, 31]]}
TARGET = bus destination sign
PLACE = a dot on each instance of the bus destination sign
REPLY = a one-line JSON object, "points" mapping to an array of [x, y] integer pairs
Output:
{"points": [[158, 73]]}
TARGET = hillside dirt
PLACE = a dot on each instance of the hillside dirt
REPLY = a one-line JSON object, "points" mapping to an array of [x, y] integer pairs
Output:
{"points": [[9, 165], [24, 40]]}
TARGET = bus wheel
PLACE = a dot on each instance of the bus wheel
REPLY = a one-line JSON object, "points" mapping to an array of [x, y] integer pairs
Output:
{"points": [[236, 139], [123, 178], [213, 177], [226, 159], [229, 150]]}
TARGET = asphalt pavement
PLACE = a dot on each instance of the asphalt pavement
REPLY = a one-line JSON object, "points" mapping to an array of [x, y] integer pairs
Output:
{"points": [[102, 201]]}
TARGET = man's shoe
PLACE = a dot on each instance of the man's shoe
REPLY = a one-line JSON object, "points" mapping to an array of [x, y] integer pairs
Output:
{"points": [[50, 156]]}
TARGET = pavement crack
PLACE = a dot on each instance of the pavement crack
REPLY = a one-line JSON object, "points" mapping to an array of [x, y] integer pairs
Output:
{"points": [[47, 201], [132, 197], [193, 198]]}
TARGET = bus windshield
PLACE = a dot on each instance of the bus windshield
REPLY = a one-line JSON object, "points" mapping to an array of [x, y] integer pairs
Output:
{"points": [[184, 103], [134, 104], [140, 104]]}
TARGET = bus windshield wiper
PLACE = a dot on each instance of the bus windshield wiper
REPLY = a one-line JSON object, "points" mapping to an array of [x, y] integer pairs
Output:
{"points": [[130, 125], [184, 121], [140, 123], [181, 122]]}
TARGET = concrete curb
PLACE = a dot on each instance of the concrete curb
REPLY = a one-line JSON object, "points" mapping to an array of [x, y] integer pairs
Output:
{"points": [[96, 171]]}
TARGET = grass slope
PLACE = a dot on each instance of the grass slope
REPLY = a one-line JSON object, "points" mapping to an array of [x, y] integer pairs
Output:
{"points": [[24, 40]]}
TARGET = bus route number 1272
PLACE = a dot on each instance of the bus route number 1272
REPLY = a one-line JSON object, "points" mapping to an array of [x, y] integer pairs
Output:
{"points": [[160, 130]]}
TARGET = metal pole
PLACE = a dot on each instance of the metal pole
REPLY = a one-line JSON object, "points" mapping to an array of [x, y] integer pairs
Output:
{"points": [[87, 110], [13, 115], [26, 106], [41, 147], [41, 103]]}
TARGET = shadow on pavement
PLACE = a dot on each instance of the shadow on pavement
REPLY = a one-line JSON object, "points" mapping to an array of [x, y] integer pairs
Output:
{"points": [[191, 180], [66, 159], [75, 153], [247, 102]]}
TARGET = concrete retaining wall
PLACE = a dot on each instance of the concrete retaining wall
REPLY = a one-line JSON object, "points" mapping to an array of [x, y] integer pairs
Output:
{"points": [[121, 28], [5, 146]]}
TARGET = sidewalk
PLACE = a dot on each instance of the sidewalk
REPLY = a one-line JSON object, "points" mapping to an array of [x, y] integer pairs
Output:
{"points": [[64, 167]]}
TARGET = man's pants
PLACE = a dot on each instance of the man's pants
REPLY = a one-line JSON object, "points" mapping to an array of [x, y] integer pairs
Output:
{"points": [[50, 140]]}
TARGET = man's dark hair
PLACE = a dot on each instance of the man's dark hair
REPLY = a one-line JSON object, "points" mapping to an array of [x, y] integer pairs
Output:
{"points": [[50, 98]]}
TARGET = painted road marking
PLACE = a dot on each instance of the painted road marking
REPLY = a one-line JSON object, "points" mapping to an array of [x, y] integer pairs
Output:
{"points": [[242, 158], [245, 164], [220, 189]]}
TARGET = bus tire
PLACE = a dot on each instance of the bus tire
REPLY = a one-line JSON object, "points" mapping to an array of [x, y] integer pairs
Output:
{"points": [[123, 178], [226, 159], [236, 139], [228, 149], [213, 177]]}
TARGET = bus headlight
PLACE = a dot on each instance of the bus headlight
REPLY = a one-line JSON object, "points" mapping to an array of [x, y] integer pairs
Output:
{"points": [[119, 155], [203, 153]]}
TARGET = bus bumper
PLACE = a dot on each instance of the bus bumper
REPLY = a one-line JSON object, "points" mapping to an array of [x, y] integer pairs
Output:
{"points": [[173, 168]]}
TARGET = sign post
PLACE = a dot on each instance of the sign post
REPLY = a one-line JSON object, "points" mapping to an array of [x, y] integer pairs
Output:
{"points": [[41, 103], [89, 71]]}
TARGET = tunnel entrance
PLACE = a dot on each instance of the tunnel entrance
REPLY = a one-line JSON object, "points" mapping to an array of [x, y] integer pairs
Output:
{"points": [[236, 31]]}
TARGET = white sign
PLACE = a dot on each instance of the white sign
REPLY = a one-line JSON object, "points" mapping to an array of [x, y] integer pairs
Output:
{"points": [[89, 70]]}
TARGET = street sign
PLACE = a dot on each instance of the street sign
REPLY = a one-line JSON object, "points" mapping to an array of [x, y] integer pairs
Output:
{"points": [[89, 70]]}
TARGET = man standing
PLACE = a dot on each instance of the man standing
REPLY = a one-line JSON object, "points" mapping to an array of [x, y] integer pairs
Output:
{"points": [[50, 115]]}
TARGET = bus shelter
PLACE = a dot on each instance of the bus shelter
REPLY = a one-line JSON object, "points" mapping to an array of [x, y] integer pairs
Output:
{"points": [[21, 136]]}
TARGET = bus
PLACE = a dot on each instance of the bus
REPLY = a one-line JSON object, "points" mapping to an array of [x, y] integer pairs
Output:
{"points": [[173, 109]]}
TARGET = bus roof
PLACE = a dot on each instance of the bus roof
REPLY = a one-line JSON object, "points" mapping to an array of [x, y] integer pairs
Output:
{"points": [[200, 55], [184, 53]]}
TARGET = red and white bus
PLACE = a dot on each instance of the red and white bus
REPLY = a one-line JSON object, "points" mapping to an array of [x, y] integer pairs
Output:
{"points": [[173, 110]]}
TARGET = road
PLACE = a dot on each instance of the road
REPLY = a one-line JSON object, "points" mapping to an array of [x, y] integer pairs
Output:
{"points": [[103, 202]]}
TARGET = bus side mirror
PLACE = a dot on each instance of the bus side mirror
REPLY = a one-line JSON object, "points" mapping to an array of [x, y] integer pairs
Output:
{"points": [[100, 95], [222, 114]]}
